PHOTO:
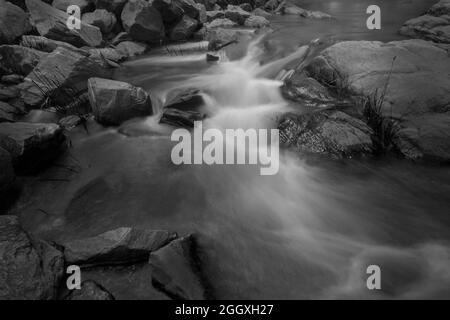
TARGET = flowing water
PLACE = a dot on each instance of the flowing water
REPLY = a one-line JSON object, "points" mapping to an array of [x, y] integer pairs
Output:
{"points": [[308, 232]]}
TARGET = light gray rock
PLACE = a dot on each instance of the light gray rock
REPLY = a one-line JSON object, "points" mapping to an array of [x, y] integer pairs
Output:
{"points": [[30, 269], [90, 290], [261, 13], [13, 22], [132, 49], [142, 21], [102, 19], [217, 23], [256, 22], [18, 59], [52, 23], [114, 102], [123, 245]]}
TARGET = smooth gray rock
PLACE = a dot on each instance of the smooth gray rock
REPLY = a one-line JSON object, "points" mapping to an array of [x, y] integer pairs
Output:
{"points": [[114, 102], [30, 269], [13, 22]]}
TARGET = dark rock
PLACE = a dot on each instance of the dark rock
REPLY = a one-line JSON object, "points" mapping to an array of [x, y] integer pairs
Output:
{"points": [[29, 269], [85, 5], [13, 22], [142, 21], [102, 19], [32, 145], [90, 290], [110, 54], [115, 6], [12, 79], [180, 118], [61, 72], [272, 5], [171, 11], [114, 102], [209, 4], [8, 113], [52, 23], [212, 58], [186, 100], [246, 7], [236, 14], [7, 175], [175, 271], [328, 132], [121, 37], [132, 49], [184, 29], [189, 7], [70, 122], [46, 45], [123, 245], [18, 59]]}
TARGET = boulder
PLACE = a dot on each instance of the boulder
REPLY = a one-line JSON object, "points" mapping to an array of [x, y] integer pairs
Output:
{"points": [[114, 102], [46, 45], [102, 19], [90, 290], [142, 21], [7, 175], [132, 49], [52, 23], [171, 11], [213, 15], [330, 132], [271, 5], [236, 14], [175, 270], [184, 29], [189, 7], [84, 5], [180, 118], [219, 37], [13, 22], [202, 17], [70, 122], [110, 54], [428, 27], [115, 6], [217, 23], [8, 93], [256, 22], [60, 75], [32, 145], [18, 59], [120, 246], [246, 7], [30, 269]]}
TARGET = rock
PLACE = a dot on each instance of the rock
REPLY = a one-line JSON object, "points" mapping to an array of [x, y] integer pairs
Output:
{"points": [[171, 11], [261, 13], [85, 5], [180, 118], [52, 23], [184, 29], [256, 22], [200, 35], [12, 79], [236, 14], [175, 270], [70, 122], [61, 73], [328, 132], [416, 85], [220, 37], [209, 4], [291, 9], [246, 7], [110, 54], [202, 17], [123, 245], [8, 113], [13, 22], [441, 8], [90, 290], [32, 145], [186, 100], [7, 175], [220, 23], [132, 49], [428, 27], [189, 7], [29, 269], [114, 102], [121, 37], [142, 21], [425, 137], [115, 6], [18, 60], [272, 5], [102, 19], [213, 15], [8, 93], [212, 58], [46, 45]]}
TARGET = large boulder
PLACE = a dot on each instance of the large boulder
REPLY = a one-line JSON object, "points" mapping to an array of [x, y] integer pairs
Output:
{"points": [[102, 19], [332, 133], [52, 23], [32, 145], [59, 75], [175, 270], [30, 269], [114, 102], [114, 6], [84, 5], [120, 246], [189, 99], [171, 11], [184, 29], [18, 59], [13, 22], [142, 21], [90, 290], [7, 175]]}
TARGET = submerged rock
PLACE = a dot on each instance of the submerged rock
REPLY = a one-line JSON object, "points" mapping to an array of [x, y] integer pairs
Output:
{"points": [[123, 245], [32, 145], [13, 22], [52, 23], [114, 102], [181, 118], [90, 290], [18, 59], [175, 271], [329, 132], [190, 99], [29, 269]]}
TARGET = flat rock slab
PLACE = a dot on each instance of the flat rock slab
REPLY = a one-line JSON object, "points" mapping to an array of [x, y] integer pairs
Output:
{"points": [[29, 269], [123, 245]]}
